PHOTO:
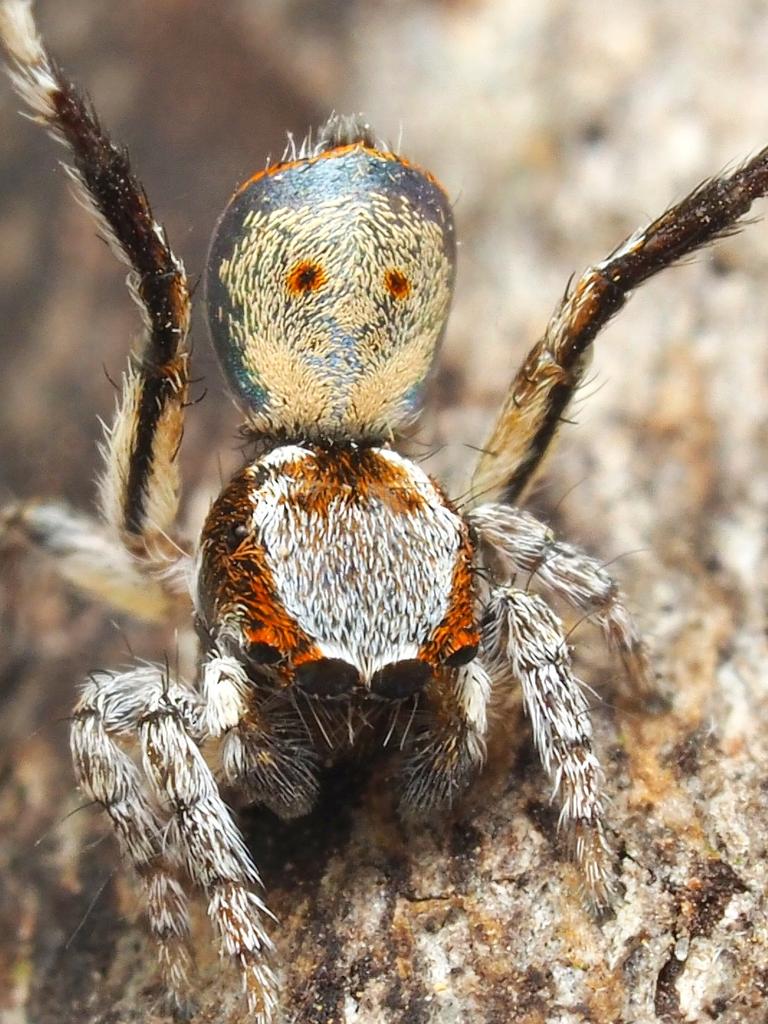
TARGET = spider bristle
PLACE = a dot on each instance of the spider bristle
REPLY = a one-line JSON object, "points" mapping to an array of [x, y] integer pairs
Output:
{"points": [[346, 130]]}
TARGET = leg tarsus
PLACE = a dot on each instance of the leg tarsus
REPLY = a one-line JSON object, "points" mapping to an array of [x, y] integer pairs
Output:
{"points": [[181, 1009]]}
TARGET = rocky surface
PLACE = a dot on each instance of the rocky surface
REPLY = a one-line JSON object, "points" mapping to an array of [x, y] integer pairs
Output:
{"points": [[558, 128]]}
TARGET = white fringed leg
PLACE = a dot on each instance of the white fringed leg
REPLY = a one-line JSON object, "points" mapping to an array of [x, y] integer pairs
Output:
{"points": [[524, 637], [110, 708], [192, 829], [525, 546]]}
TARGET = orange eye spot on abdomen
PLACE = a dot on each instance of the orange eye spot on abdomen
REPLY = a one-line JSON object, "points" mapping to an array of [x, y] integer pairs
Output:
{"points": [[305, 276], [397, 284]]}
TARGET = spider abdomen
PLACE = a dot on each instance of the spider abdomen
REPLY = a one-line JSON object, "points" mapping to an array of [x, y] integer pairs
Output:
{"points": [[328, 285], [346, 564]]}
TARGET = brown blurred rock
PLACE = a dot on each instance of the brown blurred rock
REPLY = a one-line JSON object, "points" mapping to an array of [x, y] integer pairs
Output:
{"points": [[558, 127]]}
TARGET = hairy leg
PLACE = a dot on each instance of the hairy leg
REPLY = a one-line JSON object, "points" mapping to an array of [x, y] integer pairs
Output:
{"points": [[110, 707], [192, 831], [555, 367], [521, 544], [90, 557], [202, 831], [524, 637], [139, 488], [446, 746]]}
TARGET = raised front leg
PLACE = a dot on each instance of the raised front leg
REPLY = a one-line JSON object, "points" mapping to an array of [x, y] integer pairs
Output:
{"points": [[554, 369], [140, 484]]}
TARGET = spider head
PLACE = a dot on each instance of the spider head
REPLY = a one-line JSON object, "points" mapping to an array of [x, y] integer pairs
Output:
{"points": [[328, 284], [338, 570]]}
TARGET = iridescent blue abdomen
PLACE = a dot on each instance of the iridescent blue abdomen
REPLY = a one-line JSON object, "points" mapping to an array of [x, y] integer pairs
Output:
{"points": [[328, 285]]}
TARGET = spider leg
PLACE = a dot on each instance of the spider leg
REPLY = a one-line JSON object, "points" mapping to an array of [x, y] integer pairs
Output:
{"points": [[139, 487], [108, 709], [201, 829], [520, 543], [447, 746], [193, 828], [554, 368], [264, 750], [523, 636], [88, 556]]}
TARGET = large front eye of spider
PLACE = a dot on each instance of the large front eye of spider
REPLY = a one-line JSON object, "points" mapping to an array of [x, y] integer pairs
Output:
{"points": [[327, 677], [260, 656], [401, 679], [305, 276]]}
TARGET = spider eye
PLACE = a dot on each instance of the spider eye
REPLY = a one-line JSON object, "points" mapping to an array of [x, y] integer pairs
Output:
{"points": [[397, 284], [236, 534], [260, 654], [305, 276], [401, 679], [463, 656], [327, 677]]}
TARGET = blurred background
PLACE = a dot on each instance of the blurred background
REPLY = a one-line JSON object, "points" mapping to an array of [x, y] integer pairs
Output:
{"points": [[557, 128]]}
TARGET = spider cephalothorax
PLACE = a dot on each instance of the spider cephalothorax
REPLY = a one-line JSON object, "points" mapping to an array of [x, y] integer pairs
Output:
{"points": [[334, 586], [356, 518]]}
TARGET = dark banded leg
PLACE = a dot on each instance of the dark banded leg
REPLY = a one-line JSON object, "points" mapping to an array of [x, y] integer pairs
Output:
{"points": [[554, 368], [139, 488]]}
